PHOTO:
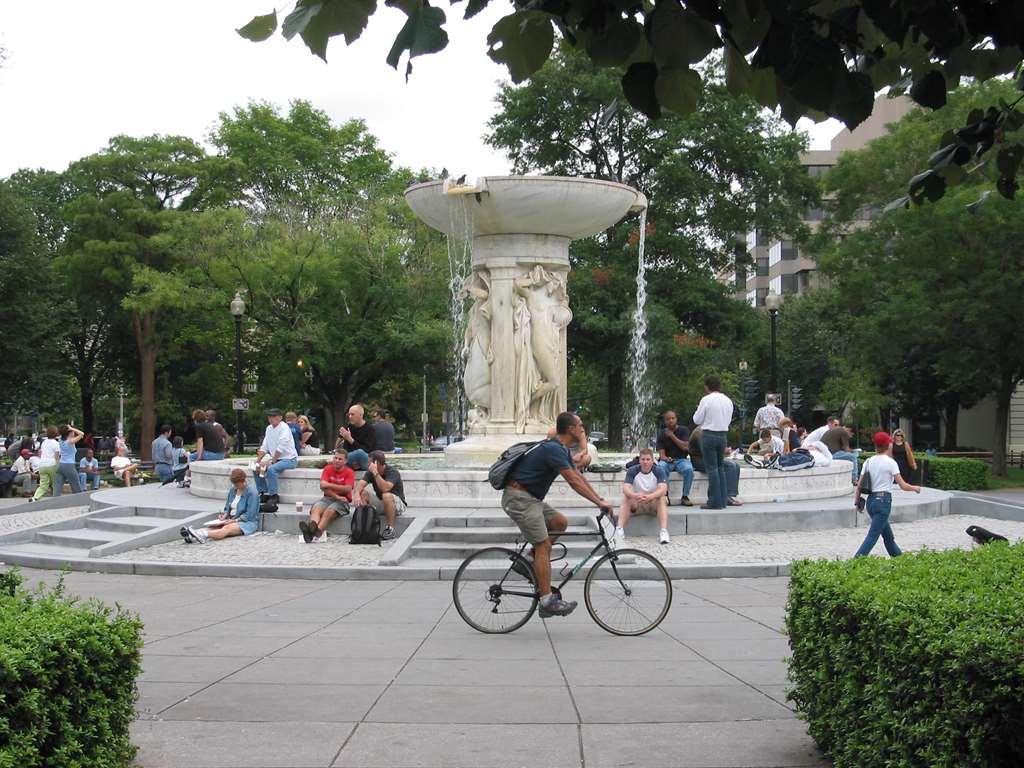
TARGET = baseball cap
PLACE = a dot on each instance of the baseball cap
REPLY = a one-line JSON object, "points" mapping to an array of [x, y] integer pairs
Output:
{"points": [[274, 412], [881, 440]]}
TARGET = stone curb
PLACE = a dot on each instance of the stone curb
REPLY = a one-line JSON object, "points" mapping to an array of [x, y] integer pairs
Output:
{"points": [[63, 501]]}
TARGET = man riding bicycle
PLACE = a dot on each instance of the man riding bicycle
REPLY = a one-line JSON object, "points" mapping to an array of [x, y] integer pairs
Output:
{"points": [[523, 500]]}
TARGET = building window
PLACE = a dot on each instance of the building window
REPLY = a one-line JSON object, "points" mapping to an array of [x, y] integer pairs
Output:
{"points": [[817, 171], [789, 284], [756, 238], [762, 267], [789, 250], [775, 284]]}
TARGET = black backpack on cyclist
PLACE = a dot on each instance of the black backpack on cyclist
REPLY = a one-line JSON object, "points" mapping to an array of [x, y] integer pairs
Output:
{"points": [[499, 471], [365, 526]]}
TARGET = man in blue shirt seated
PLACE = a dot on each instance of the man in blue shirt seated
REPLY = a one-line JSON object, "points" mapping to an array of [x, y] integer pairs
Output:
{"points": [[644, 492], [523, 501]]}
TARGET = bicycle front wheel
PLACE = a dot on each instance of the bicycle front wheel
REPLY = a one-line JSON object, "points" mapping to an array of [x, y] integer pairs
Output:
{"points": [[495, 590], [628, 592]]}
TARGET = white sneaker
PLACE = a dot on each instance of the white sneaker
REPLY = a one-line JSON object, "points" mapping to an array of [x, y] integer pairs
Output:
{"points": [[200, 535], [322, 537], [663, 537], [619, 539]]}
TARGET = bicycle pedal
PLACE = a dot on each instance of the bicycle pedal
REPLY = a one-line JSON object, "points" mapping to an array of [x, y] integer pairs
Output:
{"points": [[564, 570]]}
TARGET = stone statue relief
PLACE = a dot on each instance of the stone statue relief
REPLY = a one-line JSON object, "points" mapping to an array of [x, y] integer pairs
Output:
{"points": [[477, 349], [539, 313]]}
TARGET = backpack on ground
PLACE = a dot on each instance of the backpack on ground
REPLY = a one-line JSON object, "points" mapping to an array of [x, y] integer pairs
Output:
{"points": [[365, 526], [500, 469]]}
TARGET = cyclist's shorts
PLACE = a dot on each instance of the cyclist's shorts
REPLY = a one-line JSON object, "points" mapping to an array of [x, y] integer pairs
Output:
{"points": [[530, 514]]}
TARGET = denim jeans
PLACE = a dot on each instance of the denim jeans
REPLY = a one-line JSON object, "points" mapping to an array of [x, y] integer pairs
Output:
{"points": [[879, 507], [66, 473], [163, 471], [712, 447], [358, 459], [85, 481], [268, 483], [683, 467], [847, 456], [732, 475], [207, 456]]}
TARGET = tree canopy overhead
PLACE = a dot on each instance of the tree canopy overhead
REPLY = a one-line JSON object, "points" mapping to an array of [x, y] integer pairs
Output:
{"points": [[813, 58]]}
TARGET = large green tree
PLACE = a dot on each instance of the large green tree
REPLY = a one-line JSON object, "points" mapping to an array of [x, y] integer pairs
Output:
{"points": [[725, 169], [941, 283], [129, 194]]}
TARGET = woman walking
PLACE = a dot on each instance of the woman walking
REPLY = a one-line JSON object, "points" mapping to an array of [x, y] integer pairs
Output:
{"points": [[67, 469], [884, 475], [49, 459], [903, 454]]}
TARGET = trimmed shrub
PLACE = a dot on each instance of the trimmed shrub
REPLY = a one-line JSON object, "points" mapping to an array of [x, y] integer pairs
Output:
{"points": [[954, 474], [912, 661], [67, 680]]}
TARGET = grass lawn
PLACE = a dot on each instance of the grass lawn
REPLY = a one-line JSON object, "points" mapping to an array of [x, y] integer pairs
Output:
{"points": [[1014, 479]]}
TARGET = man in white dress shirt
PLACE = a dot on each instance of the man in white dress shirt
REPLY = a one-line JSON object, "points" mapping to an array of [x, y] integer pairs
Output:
{"points": [[279, 445], [816, 435], [713, 416]]}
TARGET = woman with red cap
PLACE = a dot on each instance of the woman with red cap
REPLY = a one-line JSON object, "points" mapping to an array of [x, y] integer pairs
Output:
{"points": [[885, 475]]}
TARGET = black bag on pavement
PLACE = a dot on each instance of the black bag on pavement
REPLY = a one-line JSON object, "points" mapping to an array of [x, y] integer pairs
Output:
{"points": [[498, 473], [865, 486], [365, 527]]}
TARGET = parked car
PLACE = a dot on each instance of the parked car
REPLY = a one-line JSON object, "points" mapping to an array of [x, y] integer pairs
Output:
{"points": [[439, 443], [597, 437]]}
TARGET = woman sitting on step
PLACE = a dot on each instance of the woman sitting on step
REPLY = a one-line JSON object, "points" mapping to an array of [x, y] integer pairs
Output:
{"points": [[240, 517]]}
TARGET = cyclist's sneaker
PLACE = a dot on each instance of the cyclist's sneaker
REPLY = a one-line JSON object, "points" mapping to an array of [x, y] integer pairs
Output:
{"points": [[619, 539], [557, 607], [663, 537], [524, 569], [308, 531], [388, 532]]}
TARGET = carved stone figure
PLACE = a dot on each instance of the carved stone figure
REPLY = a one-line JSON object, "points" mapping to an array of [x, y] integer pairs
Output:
{"points": [[477, 348]]}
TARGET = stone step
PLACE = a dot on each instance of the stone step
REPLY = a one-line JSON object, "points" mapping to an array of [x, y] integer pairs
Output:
{"points": [[460, 550], [126, 524], [83, 538], [484, 534], [488, 519], [35, 548]]}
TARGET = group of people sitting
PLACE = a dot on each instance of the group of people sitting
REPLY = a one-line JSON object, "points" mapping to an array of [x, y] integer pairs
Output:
{"points": [[379, 487]]}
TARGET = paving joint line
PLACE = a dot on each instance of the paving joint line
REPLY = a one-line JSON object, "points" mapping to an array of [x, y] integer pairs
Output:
{"points": [[264, 656], [391, 683], [568, 688]]}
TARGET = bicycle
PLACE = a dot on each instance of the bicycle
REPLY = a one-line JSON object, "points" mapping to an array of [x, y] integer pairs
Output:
{"points": [[627, 592]]}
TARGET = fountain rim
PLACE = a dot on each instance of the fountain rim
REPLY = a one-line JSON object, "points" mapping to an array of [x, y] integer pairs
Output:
{"points": [[532, 178]]}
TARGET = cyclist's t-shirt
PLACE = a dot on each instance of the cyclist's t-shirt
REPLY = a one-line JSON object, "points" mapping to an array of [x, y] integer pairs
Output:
{"points": [[537, 470]]}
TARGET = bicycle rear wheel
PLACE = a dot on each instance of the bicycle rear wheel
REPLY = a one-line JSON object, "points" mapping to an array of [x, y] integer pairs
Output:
{"points": [[628, 592], [491, 595]]}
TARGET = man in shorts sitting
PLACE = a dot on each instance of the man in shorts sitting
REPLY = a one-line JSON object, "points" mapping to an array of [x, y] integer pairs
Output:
{"points": [[336, 482], [381, 488], [528, 483], [644, 492]]}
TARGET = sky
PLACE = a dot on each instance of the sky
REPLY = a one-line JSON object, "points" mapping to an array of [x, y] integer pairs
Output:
{"points": [[79, 73]]}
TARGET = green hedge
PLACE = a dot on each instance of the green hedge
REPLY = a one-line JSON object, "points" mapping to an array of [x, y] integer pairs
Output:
{"points": [[67, 680], [911, 661], [954, 474]]}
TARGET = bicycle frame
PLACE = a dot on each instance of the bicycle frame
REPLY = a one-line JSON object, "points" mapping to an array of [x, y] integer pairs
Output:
{"points": [[603, 544]]}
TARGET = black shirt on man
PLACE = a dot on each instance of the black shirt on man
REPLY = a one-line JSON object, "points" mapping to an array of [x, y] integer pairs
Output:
{"points": [[362, 438], [212, 441], [672, 450]]}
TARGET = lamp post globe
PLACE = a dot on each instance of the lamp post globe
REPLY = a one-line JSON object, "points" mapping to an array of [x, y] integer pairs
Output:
{"points": [[237, 308], [773, 301]]}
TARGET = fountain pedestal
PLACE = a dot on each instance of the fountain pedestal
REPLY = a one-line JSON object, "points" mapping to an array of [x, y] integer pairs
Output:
{"points": [[515, 344]]}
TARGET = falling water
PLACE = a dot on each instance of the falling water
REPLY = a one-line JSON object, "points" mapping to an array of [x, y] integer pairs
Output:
{"points": [[636, 362], [460, 240]]}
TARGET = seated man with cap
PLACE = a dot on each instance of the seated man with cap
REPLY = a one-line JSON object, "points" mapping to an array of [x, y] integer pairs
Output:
{"points": [[279, 445]]}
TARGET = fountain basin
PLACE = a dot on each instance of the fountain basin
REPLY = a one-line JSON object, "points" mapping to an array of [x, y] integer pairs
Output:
{"points": [[530, 205]]}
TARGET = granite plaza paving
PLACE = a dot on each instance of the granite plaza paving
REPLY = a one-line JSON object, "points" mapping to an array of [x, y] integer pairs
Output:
{"points": [[293, 673]]}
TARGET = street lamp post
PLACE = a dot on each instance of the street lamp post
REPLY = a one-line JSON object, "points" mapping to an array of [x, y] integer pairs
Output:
{"points": [[238, 309], [773, 301]]}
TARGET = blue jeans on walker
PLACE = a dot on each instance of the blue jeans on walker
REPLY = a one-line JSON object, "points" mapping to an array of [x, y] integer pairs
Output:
{"points": [[359, 459], [847, 456], [879, 507], [84, 481], [684, 468], [268, 483], [712, 446], [207, 456]]}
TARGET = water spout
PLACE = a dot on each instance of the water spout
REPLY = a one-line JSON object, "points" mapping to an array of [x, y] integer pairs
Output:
{"points": [[636, 363]]}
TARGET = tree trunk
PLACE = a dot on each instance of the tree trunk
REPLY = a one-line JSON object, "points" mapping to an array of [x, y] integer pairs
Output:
{"points": [[88, 417], [615, 385], [1007, 385], [951, 414], [146, 343]]}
